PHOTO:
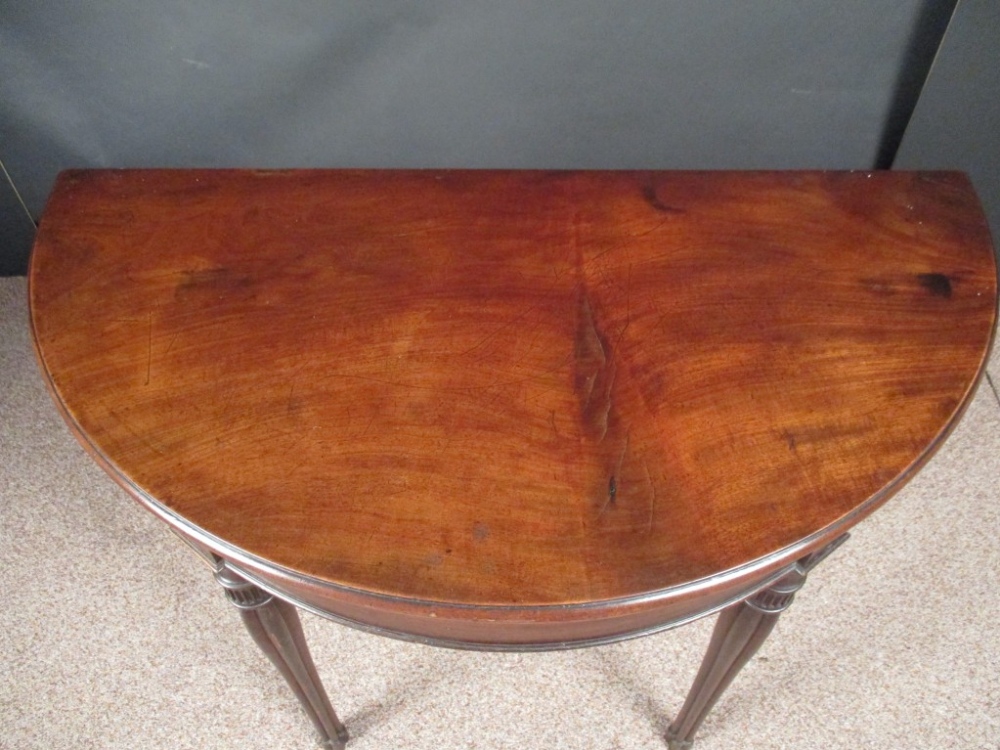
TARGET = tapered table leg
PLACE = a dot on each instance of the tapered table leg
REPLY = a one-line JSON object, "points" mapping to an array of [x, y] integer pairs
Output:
{"points": [[740, 630], [275, 627]]}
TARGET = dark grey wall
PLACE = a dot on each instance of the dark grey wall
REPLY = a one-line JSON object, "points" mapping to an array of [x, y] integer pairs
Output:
{"points": [[470, 83], [956, 124]]}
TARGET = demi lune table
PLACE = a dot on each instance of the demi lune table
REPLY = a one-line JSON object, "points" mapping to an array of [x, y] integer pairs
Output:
{"points": [[512, 409]]}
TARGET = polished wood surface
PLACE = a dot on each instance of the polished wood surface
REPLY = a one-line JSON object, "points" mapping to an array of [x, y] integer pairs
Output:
{"points": [[513, 397]]}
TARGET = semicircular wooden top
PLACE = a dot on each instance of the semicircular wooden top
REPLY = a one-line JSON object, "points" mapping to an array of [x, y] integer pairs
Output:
{"points": [[512, 388]]}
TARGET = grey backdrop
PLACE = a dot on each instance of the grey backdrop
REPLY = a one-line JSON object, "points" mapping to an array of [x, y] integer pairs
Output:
{"points": [[461, 83], [956, 124]]}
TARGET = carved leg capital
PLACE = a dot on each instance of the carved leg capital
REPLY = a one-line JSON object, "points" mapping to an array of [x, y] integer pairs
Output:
{"points": [[239, 591]]}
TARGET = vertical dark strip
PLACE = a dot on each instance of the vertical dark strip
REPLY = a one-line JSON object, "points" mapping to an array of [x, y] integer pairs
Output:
{"points": [[921, 48]]}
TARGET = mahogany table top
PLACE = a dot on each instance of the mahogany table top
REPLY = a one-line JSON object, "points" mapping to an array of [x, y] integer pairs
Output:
{"points": [[512, 389]]}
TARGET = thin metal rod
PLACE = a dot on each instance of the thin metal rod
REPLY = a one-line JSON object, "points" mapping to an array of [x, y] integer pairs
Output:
{"points": [[17, 194]]}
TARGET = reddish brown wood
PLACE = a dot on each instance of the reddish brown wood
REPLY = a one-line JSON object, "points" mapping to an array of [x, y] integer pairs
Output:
{"points": [[512, 407], [740, 631], [275, 627]]}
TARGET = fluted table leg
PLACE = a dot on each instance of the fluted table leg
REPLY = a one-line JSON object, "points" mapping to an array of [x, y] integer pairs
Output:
{"points": [[275, 627], [740, 630]]}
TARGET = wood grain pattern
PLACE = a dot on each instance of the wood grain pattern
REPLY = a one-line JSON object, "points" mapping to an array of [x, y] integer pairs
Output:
{"points": [[512, 390]]}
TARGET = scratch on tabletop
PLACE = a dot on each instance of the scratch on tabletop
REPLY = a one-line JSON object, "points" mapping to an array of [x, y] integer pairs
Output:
{"points": [[652, 498], [498, 330], [621, 459], [628, 300], [607, 405], [631, 236], [149, 349], [130, 430], [368, 426], [434, 388], [172, 342], [297, 466]]}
